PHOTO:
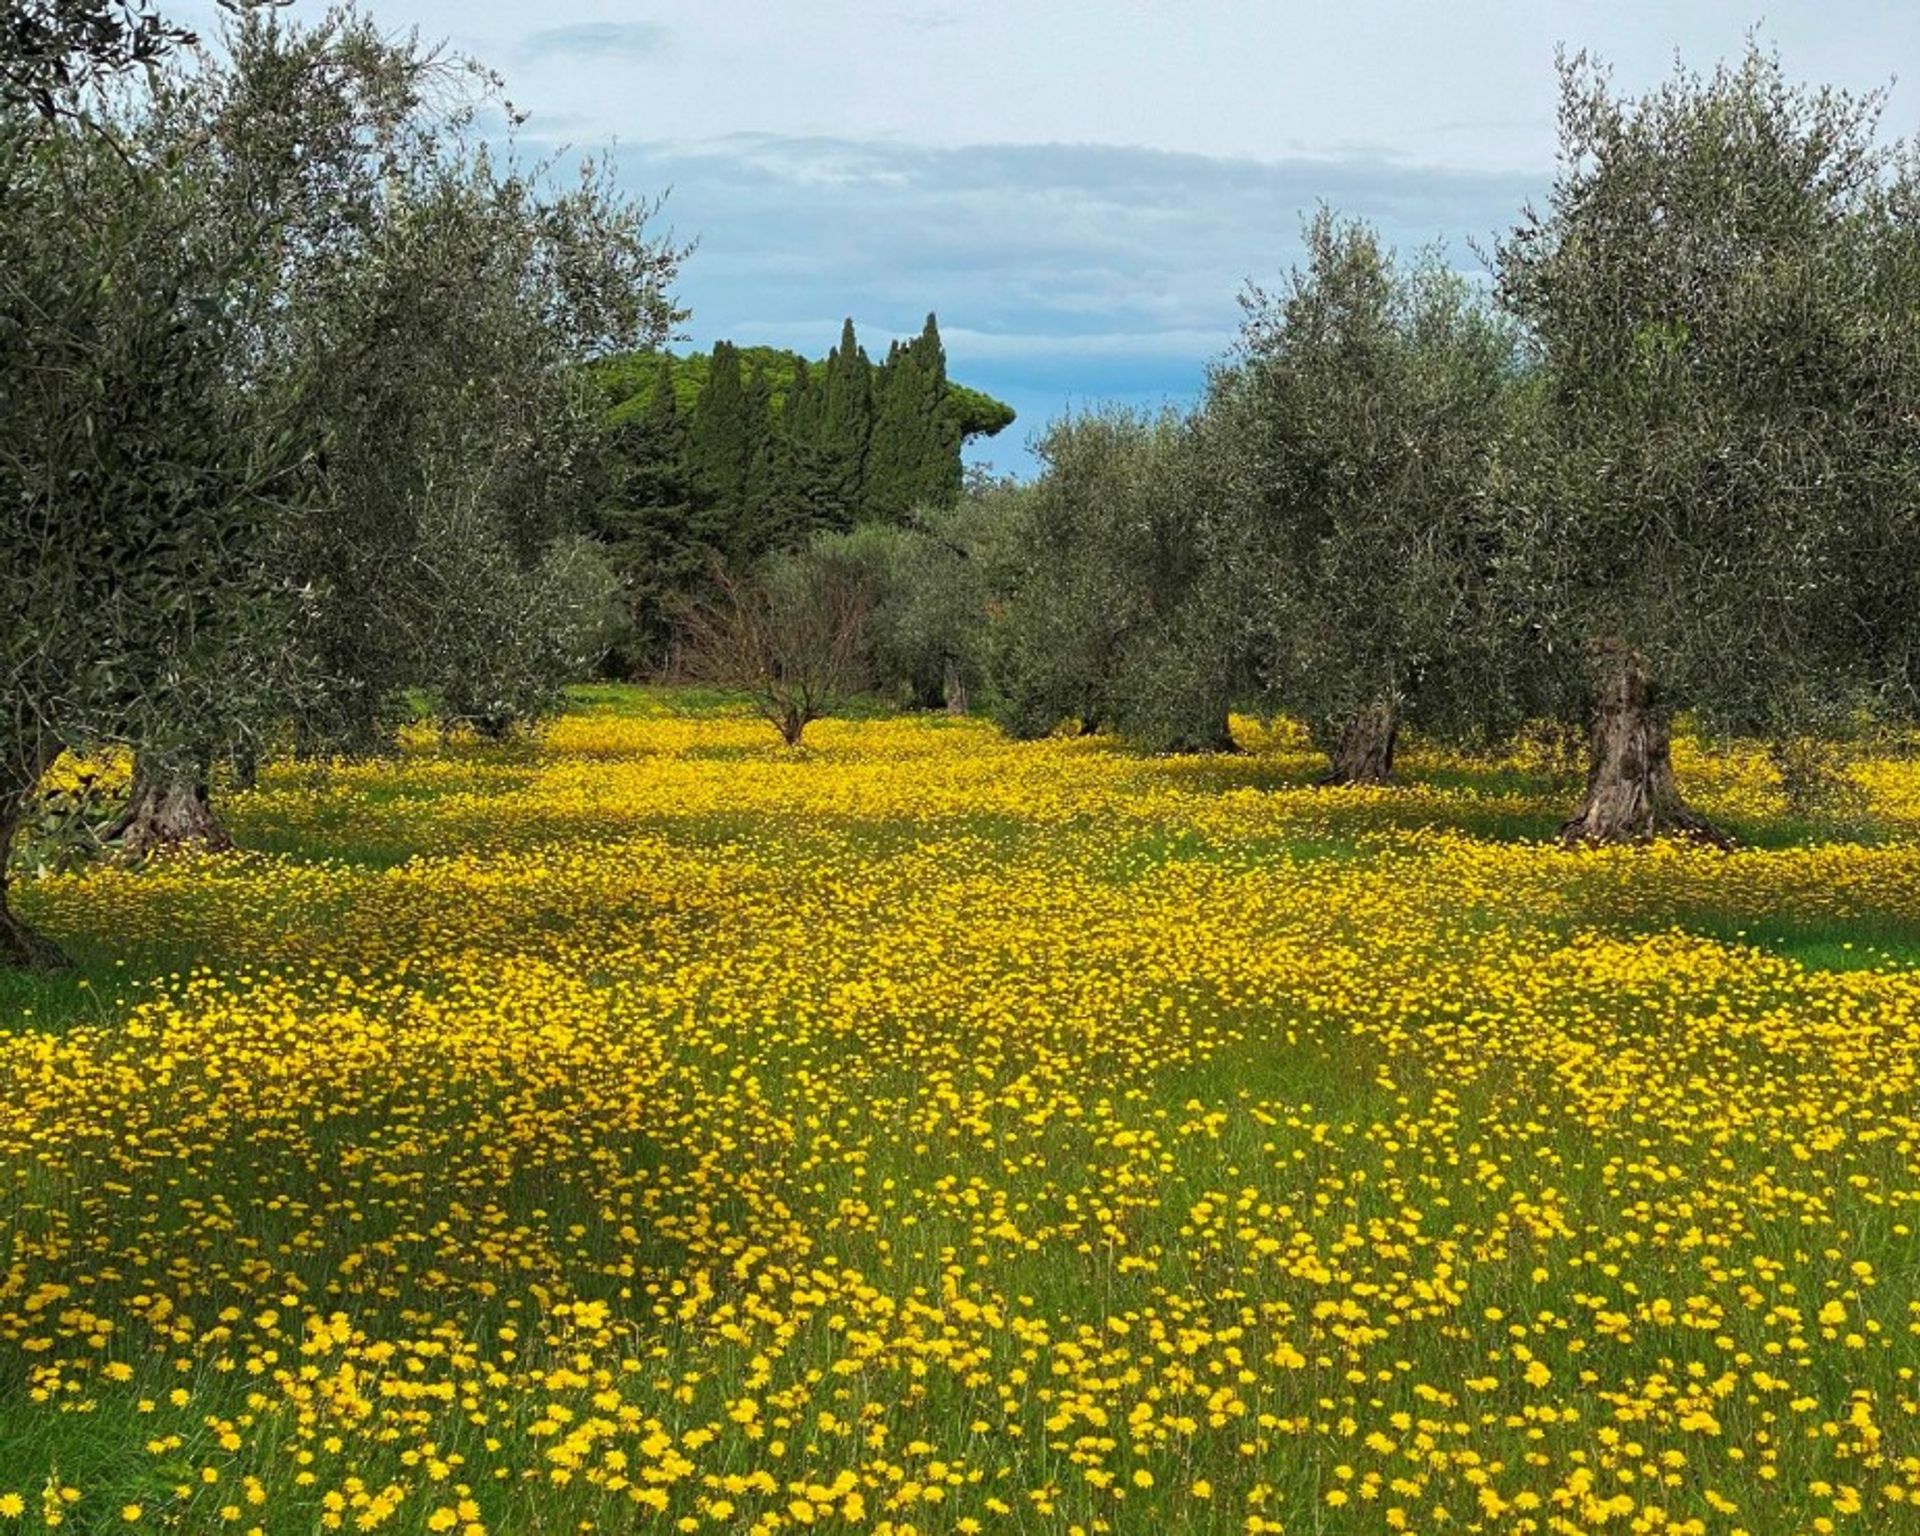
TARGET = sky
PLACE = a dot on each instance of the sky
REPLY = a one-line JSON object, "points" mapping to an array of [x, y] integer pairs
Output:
{"points": [[1081, 189]]}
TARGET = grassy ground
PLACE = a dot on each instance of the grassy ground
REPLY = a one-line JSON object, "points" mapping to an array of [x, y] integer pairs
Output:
{"points": [[927, 1132]]}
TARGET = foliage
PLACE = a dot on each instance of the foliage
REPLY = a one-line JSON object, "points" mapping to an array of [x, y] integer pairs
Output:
{"points": [[503, 637], [436, 354], [629, 379], [137, 483], [746, 451], [52, 49], [1719, 420], [273, 331], [938, 583], [913, 445], [1118, 612], [1361, 422]]}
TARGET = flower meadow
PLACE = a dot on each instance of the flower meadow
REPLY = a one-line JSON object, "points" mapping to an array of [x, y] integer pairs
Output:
{"points": [[648, 1128]]}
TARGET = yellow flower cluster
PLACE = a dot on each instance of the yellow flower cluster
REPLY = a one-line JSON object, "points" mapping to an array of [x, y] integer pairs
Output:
{"points": [[654, 1129]]}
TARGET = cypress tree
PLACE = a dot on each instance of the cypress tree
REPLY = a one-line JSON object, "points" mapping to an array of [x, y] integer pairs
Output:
{"points": [[914, 459], [661, 468], [754, 526], [893, 454], [647, 523], [847, 422], [940, 471], [805, 494], [720, 443], [771, 450]]}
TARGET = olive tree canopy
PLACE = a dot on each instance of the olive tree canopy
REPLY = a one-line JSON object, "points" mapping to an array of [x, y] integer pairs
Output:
{"points": [[1118, 612]]}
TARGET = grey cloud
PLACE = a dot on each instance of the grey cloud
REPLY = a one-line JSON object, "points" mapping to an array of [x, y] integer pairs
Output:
{"points": [[940, 19], [620, 40]]}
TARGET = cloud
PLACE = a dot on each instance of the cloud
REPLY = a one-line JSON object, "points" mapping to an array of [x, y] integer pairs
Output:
{"points": [[618, 40], [1063, 274], [939, 19]]}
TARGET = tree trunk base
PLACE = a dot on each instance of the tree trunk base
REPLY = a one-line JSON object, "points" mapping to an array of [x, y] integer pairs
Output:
{"points": [[168, 815], [24, 948], [1631, 793], [21, 946], [1602, 822], [1364, 755]]}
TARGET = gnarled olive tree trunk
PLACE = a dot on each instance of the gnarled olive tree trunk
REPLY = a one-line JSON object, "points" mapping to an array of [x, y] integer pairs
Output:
{"points": [[170, 807], [21, 947], [1364, 753], [1631, 793]]}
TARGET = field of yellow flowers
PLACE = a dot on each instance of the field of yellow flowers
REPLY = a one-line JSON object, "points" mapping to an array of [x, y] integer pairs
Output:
{"points": [[651, 1129]]}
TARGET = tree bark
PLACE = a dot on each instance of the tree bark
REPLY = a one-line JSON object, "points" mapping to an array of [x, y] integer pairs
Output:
{"points": [[1364, 753], [1631, 792], [955, 688], [170, 809], [21, 946]]}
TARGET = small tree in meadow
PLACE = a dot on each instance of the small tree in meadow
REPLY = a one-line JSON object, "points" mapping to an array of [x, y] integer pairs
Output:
{"points": [[790, 637]]}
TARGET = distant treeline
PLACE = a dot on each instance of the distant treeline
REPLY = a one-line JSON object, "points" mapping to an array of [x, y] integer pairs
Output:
{"points": [[725, 457]]}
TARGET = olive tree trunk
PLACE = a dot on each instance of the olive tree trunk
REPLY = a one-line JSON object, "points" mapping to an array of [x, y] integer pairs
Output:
{"points": [[1364, 753], [21, 947], [170, 808], [954, 686], [1631, 792]]}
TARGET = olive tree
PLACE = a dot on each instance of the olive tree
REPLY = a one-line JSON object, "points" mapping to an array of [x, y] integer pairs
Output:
{"points": [[939, 617], [50, 50], [136, 483], [937, 583], [1718, 428], [286, 141], [1366, 408], [1114, 616], [462, 443], [421, 310], [272, 331]]}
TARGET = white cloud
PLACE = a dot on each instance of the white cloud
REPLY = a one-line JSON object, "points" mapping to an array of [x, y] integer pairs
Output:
{"points": [[1469, 82]]}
